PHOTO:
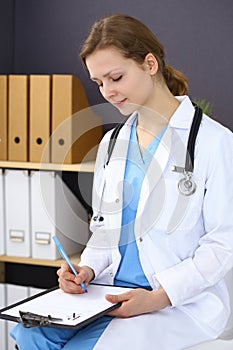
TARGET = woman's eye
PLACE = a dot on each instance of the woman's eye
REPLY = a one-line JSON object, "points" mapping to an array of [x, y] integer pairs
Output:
{"points": [[117, 79]]}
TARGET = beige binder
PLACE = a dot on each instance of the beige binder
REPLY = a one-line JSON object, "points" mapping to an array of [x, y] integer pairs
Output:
{"points": [[39, 118], [3, 117], [18, 118], [74, 135]]}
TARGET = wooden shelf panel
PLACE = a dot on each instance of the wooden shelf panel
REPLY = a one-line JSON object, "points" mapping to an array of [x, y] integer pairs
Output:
{"points": [[41, 262], [87, 167]]}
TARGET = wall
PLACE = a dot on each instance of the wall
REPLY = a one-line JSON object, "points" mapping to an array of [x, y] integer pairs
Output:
{"points": [[197, 36], [6, 36]]}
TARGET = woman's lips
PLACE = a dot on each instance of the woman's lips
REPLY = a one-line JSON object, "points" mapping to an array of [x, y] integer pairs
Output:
{"points": [[120, 103]]}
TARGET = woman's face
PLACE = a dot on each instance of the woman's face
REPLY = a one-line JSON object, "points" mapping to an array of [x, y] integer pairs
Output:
{"points": [[122, 82]]}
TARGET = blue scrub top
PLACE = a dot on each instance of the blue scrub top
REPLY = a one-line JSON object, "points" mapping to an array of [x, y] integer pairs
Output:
{"points": [[130, 273]]}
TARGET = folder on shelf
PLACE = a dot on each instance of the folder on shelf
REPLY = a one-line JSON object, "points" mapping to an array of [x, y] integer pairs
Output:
{"points": [[3, 117], [14, 294], [18, 242], [55, 210], [18, 118], [75, 310], [3, 332], [2, 219], [39, 118], [76, 130]]}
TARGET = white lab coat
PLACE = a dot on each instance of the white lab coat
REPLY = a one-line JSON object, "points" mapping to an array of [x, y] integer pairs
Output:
{"points": [[185, 243]]}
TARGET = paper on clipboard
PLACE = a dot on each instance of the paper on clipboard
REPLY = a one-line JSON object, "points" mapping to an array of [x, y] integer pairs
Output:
{"points": [[74, 310]]}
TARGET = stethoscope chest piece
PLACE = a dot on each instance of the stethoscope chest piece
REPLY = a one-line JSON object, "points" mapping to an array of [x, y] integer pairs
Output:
{"points": [[187, 186]]}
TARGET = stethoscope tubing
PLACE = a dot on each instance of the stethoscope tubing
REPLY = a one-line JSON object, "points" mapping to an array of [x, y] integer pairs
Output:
{"points": [[189, 161], [186, 185]]}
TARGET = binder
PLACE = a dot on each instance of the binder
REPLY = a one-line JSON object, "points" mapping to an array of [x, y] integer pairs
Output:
{"points": [[17, 213], [55, 211], [75, 310], [14, 293], [76, 130], [18, 118], [2, 219], [2, 323], [3, 117], [39, 118]]}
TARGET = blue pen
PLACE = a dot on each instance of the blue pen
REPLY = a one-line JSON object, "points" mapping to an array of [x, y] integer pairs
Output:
{"points": [[65, 256]]}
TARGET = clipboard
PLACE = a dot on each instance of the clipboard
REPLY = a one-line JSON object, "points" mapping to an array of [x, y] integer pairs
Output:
{"points": [[55, 308]]}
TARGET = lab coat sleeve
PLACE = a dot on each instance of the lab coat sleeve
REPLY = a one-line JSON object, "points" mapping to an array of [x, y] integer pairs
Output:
{"points": [[214, 256], [96, 259]]}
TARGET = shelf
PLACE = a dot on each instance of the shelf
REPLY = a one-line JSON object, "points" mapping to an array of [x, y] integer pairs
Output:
{"points": [[41, 262], [87, 167]]}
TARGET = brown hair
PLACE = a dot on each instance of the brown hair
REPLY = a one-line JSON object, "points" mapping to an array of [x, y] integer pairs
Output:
{"points": [[135, 41]]}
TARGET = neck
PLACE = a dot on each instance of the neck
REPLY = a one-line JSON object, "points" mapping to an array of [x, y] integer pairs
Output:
{"points": [[158, 110], [155, 115]]}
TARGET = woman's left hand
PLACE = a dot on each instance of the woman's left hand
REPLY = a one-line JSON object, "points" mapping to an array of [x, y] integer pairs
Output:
{"points": [[138, 301]]}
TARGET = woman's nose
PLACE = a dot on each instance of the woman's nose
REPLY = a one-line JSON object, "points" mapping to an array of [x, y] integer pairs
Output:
{"points": [[108, 92]]}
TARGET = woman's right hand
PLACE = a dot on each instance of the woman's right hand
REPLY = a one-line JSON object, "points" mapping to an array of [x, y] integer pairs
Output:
{"points": [[70, 283]]}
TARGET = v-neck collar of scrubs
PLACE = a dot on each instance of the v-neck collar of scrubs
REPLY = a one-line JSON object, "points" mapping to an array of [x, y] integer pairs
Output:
{"points": [[145, 156], [130, 272]]}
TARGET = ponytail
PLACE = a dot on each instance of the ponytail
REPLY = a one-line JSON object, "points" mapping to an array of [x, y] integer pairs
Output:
{"points": [[175, 80]]}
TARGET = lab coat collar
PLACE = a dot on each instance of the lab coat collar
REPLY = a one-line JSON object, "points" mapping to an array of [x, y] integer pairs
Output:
{"points": [[182, 118]]}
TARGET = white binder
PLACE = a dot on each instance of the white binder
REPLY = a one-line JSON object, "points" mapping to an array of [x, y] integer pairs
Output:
{"points": [[2, 220], [14, 293], [17, 213], [55, 211], [2, 322]]}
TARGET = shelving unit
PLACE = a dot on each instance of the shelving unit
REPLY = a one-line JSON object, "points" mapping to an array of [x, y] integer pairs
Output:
{"points": [[31, 261], [87, 167]]}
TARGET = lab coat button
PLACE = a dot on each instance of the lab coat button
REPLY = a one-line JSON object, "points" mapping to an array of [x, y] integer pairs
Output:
{"points": [[111, 274], [117, 200], [140, 239]]}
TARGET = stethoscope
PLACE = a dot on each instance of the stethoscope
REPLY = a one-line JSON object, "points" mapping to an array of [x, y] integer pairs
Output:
{"points": [[186, 185]]}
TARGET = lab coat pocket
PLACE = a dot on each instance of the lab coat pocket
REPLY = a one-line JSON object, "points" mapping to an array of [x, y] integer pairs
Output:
{"points": [[209, 311]]}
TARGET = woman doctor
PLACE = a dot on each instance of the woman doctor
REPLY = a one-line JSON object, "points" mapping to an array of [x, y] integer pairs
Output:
{"points": [[174, 247]]}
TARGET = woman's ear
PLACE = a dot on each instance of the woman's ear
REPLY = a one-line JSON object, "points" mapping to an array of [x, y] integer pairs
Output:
{"points": [[151, 63]]}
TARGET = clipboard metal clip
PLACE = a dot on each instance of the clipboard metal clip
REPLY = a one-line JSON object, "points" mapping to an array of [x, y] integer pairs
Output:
{"points": [[29, 319]]}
